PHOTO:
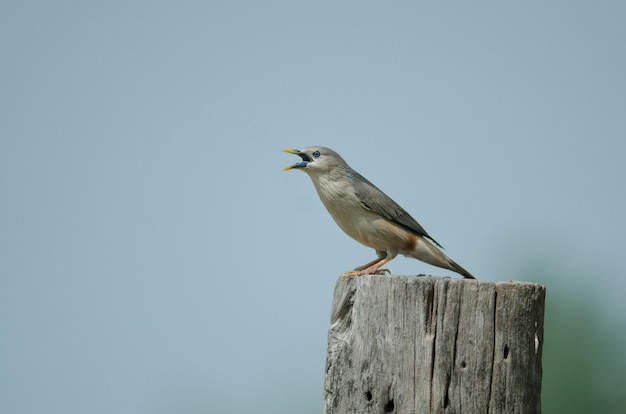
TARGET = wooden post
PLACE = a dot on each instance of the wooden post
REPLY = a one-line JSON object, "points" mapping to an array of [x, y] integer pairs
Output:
{"points": [[401, 345]]}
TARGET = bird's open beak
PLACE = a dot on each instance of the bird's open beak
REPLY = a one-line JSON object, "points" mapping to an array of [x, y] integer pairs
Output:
{"points": [[305, 159]]}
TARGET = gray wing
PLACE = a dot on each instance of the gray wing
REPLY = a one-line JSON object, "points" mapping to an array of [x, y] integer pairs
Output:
{"points": [[373, 199]]}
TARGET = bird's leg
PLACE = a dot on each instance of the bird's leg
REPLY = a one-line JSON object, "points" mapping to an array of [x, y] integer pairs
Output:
{"points": [[371, 268], [381, 255], [372, 263]]}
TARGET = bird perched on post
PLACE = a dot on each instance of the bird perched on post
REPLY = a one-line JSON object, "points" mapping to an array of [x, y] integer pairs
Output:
{"points": [[367, 214]]}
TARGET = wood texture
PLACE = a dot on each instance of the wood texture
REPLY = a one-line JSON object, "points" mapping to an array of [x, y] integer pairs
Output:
{"points": [[434, 345]]}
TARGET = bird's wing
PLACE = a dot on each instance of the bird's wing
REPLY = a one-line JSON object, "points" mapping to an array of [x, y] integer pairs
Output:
{"points": [[373, 199]]}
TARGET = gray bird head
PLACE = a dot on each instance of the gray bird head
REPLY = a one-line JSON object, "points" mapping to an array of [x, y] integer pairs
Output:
{"points": [[317, 160]]}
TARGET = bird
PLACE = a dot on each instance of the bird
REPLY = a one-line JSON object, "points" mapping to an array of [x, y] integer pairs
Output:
{"points": [[368, 215]]}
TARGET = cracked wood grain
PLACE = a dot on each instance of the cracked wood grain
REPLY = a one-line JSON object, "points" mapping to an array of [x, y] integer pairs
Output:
{"points": [[434, 345]]}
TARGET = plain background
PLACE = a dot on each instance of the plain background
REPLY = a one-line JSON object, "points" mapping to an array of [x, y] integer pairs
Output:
{"points": [[155, 258]]}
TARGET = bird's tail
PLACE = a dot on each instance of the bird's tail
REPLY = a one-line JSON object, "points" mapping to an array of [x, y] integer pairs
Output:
{"points": [[428, 253], [460, 270]]}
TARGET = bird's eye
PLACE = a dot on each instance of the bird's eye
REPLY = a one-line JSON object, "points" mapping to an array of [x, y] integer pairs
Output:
{"points": [[316, 154]]}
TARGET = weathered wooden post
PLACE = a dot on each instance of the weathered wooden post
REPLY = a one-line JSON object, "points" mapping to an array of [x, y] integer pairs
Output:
{"points": [[434, 345]]}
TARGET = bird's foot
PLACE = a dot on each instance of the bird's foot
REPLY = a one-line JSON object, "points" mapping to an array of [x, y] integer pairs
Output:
{"points": [[353, 273], [363, 272]]}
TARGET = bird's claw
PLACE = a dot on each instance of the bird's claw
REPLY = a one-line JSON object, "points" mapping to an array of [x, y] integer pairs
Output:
{"points": [[354, 273]]}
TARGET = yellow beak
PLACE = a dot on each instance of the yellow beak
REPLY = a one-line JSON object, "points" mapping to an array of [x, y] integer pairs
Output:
{"points": [[298, 165]]}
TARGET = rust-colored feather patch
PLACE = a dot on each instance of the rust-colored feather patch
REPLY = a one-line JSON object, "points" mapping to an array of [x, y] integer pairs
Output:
{"points": [[411, 242]]}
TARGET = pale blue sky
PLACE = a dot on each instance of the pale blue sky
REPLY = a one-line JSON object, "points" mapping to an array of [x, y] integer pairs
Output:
{"points": [[155, 258]]}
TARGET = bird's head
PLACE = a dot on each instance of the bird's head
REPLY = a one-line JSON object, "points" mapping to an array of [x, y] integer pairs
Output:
{"points": [[316, 160]]}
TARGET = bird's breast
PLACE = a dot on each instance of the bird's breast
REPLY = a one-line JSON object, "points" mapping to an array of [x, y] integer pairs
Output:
{"points": [[363, 225]]}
